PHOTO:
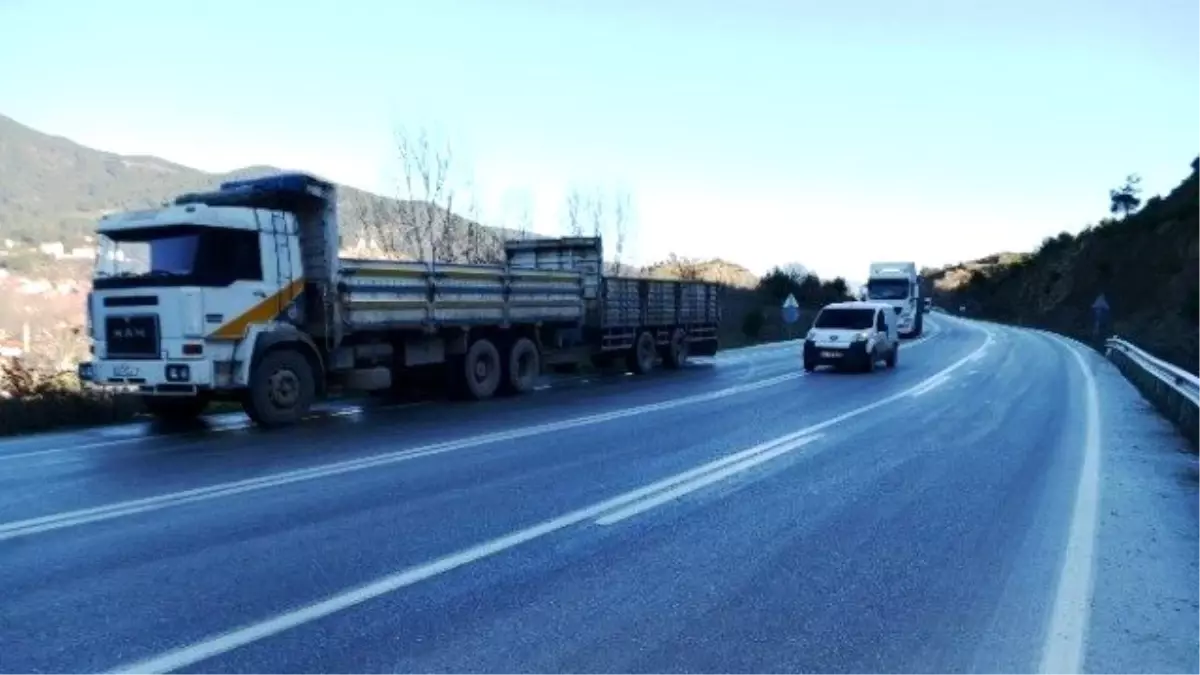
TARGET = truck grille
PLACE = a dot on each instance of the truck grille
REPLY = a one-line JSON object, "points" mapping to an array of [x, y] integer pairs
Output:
{"points": [[131, 337]]}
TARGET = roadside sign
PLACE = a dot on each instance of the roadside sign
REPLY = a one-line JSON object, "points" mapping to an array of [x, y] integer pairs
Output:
{"points": [[1100, 310], [791, 309]]}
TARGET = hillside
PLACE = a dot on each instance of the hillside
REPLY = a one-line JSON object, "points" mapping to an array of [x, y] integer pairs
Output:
{"points": [[53, 189], [1145, 265], [714, 270]]}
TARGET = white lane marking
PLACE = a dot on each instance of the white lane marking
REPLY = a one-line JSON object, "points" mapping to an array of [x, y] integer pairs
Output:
{"points": [[57, 521], [1063, 651], [226, 642], [751, 458], [931, 384]]}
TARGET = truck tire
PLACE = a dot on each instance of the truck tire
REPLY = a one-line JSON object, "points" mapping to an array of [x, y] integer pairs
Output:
{"points": [[481, 370], [522, 367], [282, 389], [175, 409], [676, 353], [643, 354]]}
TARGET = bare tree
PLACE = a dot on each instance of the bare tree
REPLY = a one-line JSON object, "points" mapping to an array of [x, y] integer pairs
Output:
{"points": [[524, 219], [622, 213], [479, 245], [596, 206], [574, 213], [419, 222]]}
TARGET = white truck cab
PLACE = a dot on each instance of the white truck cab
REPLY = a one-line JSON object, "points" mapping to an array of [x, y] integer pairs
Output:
{"points": [[898, 285], [853, 335], [184, 296]]}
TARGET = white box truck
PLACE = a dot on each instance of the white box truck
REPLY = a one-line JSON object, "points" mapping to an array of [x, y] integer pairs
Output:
{"points": [[898, 284], [239, 294]]}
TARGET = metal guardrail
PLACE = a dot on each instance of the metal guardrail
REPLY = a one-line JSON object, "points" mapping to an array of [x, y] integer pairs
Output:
{"points": [[1177, 378], [1174, 391]]}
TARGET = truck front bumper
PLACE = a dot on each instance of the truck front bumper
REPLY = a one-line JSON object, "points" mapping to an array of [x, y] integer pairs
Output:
{"points": [[168, 378]]}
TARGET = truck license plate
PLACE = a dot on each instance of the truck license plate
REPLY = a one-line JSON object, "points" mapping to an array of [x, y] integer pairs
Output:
{"points": [[831, 355]]}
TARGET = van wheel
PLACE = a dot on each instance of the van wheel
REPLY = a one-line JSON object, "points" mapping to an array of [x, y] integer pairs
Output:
{"points": [[282, 389], [893, 356], [481, 370], [869, 365], [522, 367], [643, 354], [676, 354]]}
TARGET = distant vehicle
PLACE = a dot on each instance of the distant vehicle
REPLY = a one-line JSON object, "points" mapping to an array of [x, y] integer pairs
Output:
{"points": [[239, 295], [897, 284], [928, 305], [853, 335]]}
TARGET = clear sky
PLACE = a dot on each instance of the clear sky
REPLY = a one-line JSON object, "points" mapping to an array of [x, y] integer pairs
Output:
{"points": [[829, 133]]}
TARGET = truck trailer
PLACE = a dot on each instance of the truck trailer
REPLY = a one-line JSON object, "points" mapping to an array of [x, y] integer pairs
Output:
{"points": [[239, 295]]}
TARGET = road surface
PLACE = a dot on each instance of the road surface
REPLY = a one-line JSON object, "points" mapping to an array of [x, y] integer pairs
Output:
{"points": [[1001, 501]]}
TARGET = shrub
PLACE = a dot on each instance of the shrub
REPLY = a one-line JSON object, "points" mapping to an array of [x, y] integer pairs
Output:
{"points": [[35, 401]]}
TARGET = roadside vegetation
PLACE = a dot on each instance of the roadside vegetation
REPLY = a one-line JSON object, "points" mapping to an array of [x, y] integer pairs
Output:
{"points": [[32, 400], [1143, 260]]}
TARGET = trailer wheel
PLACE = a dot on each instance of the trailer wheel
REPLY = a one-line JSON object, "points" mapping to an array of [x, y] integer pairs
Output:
{"points": [[644, 353], [522, 367], [676, 353], [481, 369], [282, 389]]}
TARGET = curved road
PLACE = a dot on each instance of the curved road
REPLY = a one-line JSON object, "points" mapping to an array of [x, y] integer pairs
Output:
{"points": [[972, 510]]}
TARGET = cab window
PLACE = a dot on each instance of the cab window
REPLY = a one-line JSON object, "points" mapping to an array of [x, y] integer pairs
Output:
{"points": [[880, 322]]}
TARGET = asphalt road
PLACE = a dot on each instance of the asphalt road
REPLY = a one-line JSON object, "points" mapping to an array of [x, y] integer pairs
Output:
{"points": [[980, 508]]}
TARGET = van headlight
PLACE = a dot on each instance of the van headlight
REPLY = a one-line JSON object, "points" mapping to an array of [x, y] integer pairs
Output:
{"points": [[862, 336]]}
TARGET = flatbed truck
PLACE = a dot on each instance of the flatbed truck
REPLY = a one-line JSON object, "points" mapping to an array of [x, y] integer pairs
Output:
{"points": [[239, 294]]}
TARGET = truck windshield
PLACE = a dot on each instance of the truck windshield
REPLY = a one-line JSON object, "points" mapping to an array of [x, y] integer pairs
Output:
{"points": [[887, 289], [845, 319], [176, 255]]}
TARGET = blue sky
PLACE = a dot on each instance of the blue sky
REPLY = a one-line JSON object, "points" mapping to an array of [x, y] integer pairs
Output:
{"points": [[829, 133]]}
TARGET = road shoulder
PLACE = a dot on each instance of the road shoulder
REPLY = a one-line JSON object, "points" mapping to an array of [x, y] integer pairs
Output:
{"points": [[1145, 608]]}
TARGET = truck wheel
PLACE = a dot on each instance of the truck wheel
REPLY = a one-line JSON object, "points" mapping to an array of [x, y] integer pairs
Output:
{"points": [[282, 389], [644, 353], [676, 354], [893, 356], [522, 368], [481, 369], [175, 409]]}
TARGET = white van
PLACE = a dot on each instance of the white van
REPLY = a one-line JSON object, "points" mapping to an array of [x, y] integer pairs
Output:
{"points": [[854, 335]]}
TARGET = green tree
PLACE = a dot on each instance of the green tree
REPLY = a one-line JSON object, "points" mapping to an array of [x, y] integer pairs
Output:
{"points": [[1124, 200]]}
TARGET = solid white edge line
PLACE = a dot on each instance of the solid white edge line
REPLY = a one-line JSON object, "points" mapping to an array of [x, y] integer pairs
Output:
{"points": [[758, 456], [1063, 651], [220, 644], [933, 384], [14, 529]]}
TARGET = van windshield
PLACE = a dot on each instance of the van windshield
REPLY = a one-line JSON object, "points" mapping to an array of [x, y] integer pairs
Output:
{"points": [[845, 319]]}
